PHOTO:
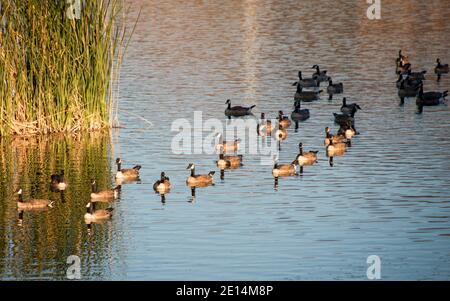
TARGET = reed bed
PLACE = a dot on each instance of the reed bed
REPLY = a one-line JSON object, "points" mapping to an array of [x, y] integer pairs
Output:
{"points": [[57, 73]]}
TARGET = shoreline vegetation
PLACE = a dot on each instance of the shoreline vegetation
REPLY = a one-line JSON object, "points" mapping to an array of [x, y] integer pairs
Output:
{"points": [[59, 74]]}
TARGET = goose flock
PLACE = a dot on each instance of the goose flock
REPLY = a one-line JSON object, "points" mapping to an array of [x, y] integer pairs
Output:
{"points": [[409, 84]]}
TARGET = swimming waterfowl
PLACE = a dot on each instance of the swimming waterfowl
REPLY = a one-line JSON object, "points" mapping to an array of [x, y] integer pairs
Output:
{"points": [[407, 90], [194, 179], [237, 111], [229, 161], [285, 170], [334, 88], [402, 67], [306, 158], [441, 68], [349, 109], [335, 148], [227, 146], [407, 81], [163, 184], [320, 75], [104, 195], [281, 133], [335, 138], [32, 203], [299, 114], [58, 182], [416, 75], [403, 58], [306, 96], [264, 126], [283, 120], [92, 215], [306, 82], [347, 131], [343, 118], [127, 173], [429, 98]]}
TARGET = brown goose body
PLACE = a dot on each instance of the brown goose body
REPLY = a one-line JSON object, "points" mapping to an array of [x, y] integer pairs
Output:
{"points": [[284, 170], [199, 180], [283, 120], [334, 139], [229, 161], [127, 173], [32, 203], [163, 185], [306, 158], [237, 111], [106, 195], [92, 215], [441, 68], [264, 126]]}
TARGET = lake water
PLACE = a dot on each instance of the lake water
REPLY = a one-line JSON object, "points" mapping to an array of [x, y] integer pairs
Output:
{"points": [[388, 196]]}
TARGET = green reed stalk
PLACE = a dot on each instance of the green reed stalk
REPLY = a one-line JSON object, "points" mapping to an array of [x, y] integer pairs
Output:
{"points": [[58, 74]]}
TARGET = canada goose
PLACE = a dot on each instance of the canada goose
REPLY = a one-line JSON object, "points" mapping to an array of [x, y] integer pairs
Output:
{"points": [[343, 118], [92, 215], [416, 75], [402, 67], [264, 127], [336, 138], [32, 203], [347, 131], [408, 82], [58, 182], [306, 158], [229, 161], [334, 88], [104, 195], [349, 109], [441, 68], [163, 184], [402, 58], [281, 134], [227, 146], [407, 90], [128, 173], [306, 96], [285, 170], [335, 148], [306, 82], [237, 110], [320, 75], [299, 114], [283, 120], [194, 180], [429, 98]]}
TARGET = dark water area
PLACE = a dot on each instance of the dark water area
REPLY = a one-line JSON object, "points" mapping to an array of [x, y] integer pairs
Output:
{"points": [[388, 195]]}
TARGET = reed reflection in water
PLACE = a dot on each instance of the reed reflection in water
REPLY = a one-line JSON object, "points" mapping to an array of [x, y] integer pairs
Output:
{"points": [[36, 243]]}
